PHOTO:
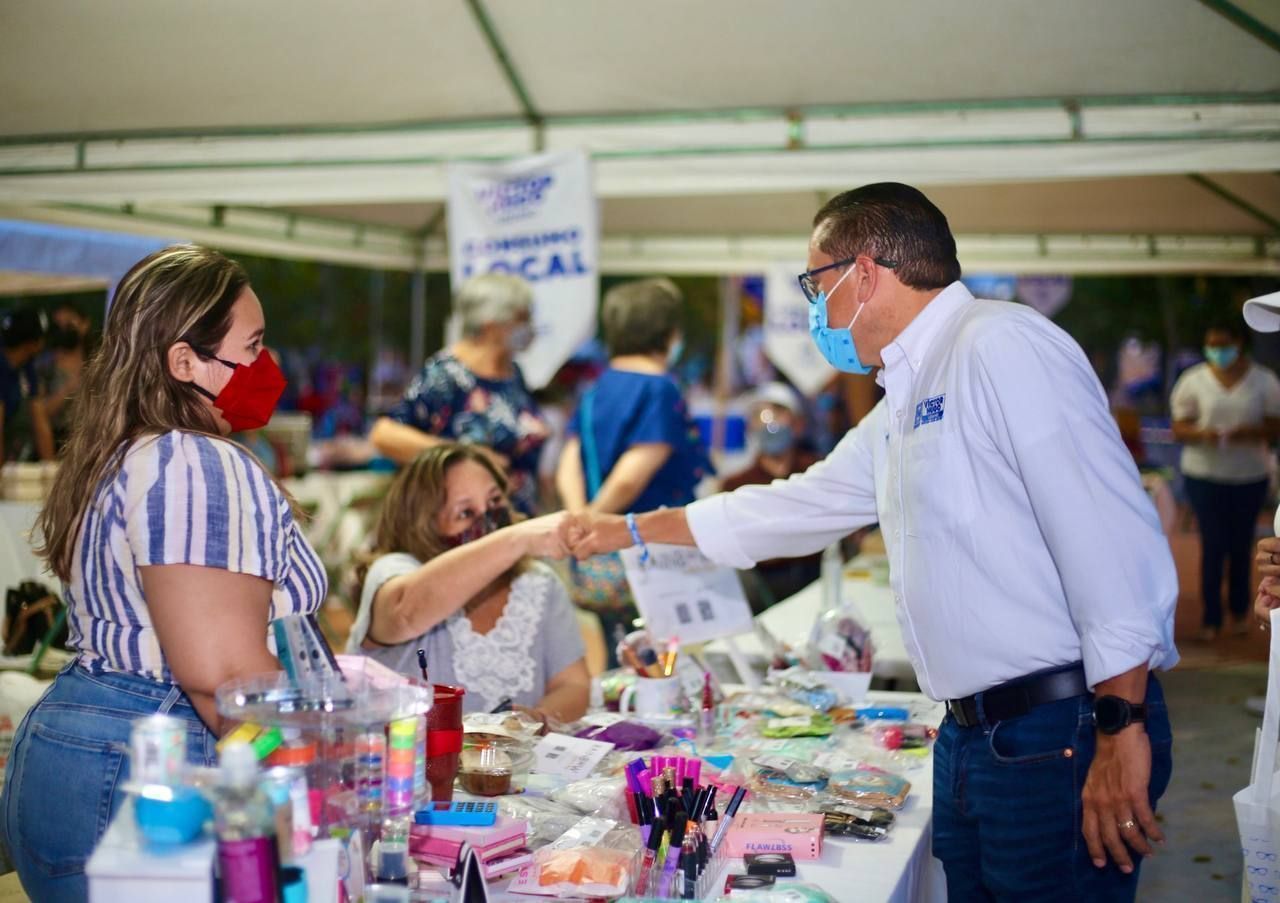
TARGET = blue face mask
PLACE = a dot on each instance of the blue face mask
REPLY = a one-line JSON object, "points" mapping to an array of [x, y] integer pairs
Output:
{"points": [[674, 352], [836, 345], [1221, 357]]}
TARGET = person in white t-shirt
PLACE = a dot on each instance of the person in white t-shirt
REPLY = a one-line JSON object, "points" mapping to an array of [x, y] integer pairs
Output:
{"points": [[1226, 413]]}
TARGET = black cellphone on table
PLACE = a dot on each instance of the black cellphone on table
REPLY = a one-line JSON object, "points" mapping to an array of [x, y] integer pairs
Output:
{"points": [[780, 865], [748, 882]]}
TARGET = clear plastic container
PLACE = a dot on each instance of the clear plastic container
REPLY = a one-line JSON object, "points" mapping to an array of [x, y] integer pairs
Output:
{"points": [[493, 770]]}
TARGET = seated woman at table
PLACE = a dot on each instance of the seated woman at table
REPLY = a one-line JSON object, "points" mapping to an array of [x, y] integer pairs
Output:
{"points": [[451, 573]]}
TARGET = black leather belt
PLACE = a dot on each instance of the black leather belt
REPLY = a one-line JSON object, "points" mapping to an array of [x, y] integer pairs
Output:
{"points": [[1017, 697]]}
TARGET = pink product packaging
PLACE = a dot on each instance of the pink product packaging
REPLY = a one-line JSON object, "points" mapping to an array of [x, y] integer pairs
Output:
{"points": [[797, 833]]}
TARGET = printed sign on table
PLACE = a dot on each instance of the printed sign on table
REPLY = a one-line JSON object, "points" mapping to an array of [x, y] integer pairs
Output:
{"points": [[685, 596], [570, 757]]}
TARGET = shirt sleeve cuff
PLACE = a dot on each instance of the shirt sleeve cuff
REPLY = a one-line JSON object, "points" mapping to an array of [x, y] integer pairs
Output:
{"points": [[709, 523], [1122, 646]]}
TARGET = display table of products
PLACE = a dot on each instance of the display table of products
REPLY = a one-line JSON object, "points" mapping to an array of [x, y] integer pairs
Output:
{"points": [[348, 782], [866, 584], [886, 854]]}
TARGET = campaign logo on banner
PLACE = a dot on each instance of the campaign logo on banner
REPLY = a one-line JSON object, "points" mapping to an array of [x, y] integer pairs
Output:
{"points": [[536, 218], [786, 331]]}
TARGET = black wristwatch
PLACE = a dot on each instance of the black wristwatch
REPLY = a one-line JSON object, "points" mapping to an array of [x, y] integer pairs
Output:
{"points": [[1112, 714]]}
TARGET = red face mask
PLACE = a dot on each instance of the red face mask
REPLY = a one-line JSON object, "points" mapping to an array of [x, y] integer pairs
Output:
{"points": [[249, 398]]}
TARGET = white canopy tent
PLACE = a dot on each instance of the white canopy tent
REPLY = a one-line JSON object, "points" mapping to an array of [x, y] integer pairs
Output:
{"points": [[1095, 136]]}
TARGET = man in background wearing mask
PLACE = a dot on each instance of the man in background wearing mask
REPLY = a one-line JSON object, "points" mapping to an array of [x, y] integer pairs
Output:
{"points": [[1032, 581], [1226, 414], [776, 425]]}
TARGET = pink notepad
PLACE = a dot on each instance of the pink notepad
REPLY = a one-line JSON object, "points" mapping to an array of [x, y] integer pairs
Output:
{"points": [[503, 829]]}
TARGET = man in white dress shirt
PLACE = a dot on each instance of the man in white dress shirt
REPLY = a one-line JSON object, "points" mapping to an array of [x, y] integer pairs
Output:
{"points": [[1034, 586]]}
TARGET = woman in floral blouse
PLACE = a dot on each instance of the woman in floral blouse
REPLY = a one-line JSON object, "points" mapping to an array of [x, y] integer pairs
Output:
{"points": [[473, 392]]}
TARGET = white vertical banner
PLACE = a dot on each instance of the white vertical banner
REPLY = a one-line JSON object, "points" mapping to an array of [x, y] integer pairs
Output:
{"points": [[786, 330], [535, 217]]}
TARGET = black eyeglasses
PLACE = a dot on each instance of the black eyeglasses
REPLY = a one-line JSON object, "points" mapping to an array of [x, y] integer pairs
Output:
{"points": [[809, 285]]}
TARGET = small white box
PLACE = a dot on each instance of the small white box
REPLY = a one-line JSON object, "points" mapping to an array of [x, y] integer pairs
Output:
{"points": [[121, 870]]}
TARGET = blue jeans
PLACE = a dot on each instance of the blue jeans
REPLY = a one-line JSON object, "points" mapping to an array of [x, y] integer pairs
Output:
{"points": [[69, 758], [1227, 514], [1007, 810]]}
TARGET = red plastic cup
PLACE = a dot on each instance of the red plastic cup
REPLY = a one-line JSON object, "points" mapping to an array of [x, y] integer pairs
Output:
{"points": [[444, 741]]}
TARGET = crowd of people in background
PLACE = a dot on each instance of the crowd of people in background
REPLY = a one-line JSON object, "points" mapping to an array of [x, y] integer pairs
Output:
{"points": [[614, 431]]}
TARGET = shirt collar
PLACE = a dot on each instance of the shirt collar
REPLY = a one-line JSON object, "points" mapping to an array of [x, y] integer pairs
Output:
{"points": [[913, 343]]}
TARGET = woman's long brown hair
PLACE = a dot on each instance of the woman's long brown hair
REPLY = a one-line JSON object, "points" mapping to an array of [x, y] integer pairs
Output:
{"points": [[407, 522], [181, 293]]}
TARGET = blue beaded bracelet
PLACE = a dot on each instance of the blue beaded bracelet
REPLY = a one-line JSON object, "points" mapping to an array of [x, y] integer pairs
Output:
{"points": [[636, 540]]}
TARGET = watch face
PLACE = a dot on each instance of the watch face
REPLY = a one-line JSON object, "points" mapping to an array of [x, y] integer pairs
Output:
{"points": [[1111, 713]]}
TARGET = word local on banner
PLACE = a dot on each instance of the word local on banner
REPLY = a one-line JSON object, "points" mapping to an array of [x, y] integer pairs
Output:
{"points": [[787, 342], [684, 596], [534, 217]]}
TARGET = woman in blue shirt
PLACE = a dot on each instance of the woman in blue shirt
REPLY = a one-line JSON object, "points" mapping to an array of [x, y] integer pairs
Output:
{"points": [[632, 445]]}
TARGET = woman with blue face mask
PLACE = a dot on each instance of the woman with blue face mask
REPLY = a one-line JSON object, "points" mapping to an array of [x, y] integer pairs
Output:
{"points": [[1226, 414]]}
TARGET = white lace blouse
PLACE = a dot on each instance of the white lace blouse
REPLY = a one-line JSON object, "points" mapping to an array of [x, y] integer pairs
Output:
{"points": [[536, 638]]}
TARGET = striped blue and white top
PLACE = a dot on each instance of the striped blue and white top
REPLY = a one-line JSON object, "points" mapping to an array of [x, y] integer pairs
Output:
{"points": [[180, 498]]}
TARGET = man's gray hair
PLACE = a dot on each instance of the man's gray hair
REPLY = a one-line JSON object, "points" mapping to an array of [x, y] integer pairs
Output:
{"points": [[491, 298]]}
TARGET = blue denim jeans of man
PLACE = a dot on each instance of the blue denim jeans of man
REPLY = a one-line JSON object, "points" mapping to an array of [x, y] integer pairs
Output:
{"points": [[1007, 810], [69, 759]]}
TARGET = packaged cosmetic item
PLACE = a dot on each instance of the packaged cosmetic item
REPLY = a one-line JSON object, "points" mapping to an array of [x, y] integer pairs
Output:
{"points": [[800, 726], [845, 820], [779, 865], [870, 789], [793, 770], [796, 833]]}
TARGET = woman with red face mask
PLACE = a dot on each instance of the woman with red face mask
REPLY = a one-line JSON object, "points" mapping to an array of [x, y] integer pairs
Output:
{"points": [[450, 573], [174, 546]]}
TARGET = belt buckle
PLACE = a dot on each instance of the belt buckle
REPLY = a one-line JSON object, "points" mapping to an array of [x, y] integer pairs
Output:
{"points": [[956, 708]]}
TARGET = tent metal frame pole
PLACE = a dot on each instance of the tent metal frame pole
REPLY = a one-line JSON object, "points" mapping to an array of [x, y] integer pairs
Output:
{"points": [[1236, 201], [732, 114], [417, 320], [1245, 22], [531, 115], [662, 153]]}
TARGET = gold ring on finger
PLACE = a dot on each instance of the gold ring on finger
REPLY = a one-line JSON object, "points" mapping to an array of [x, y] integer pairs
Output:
{"points": [[1127, 825]]}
